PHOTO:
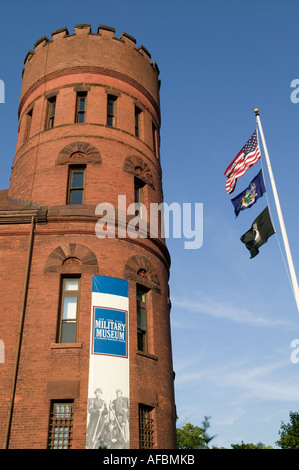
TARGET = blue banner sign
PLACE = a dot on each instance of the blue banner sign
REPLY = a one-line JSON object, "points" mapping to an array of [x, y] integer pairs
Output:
{"points": [[110, 332]]}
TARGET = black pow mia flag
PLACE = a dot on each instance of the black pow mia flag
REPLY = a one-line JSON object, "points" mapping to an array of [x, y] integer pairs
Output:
{"points": [[259, 233]]}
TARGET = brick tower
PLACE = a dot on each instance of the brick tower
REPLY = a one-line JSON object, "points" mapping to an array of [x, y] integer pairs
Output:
{"points": [[84, 321]]}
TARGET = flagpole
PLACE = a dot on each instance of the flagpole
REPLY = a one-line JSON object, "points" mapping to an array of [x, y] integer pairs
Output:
{"points": [[279, 213]]}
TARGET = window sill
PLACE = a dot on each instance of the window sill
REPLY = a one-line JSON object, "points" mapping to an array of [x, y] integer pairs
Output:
{"points": [[145, 354], [66, 345]]}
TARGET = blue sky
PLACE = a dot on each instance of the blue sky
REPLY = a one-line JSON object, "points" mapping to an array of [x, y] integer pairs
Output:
{"points": [[233, 318]]}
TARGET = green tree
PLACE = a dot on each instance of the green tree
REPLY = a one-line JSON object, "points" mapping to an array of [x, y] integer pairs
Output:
{"points": [[289, 433], [259, 445], [194, 437]]}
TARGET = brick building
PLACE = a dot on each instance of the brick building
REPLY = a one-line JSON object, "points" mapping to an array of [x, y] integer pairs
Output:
{"points": [[84, 318]]}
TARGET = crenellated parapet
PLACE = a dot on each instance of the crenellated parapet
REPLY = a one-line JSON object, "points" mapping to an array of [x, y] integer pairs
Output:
{"points": [[102, 31], [98, 52]]}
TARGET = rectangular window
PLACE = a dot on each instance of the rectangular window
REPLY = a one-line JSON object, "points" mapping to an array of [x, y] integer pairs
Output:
{"points": [[81, 106], [61, 425], [76, 185], [137, 121], [69, 307], [111, 110], [141, 319], [146, 427], [51, 112]]}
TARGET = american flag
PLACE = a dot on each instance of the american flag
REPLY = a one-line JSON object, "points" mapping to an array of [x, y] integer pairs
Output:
{"points": [[246, 158]]}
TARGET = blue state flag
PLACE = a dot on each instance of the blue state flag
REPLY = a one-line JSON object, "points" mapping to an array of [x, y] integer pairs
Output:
{"points": [[250, 195]]}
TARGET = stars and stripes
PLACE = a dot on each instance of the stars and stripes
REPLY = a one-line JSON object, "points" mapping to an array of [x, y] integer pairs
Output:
{"points": [[246, 158]]}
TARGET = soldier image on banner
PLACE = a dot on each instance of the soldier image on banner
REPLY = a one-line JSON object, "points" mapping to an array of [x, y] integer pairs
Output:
{"points": [[97, 414], [111, 436], [119, 409]]}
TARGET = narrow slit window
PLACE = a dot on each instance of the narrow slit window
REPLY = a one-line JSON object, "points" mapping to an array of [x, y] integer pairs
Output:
{"points": [[76, 185], [81, 107], [51, 112], [154, 135], [111, 110], [28, 124], [138, 196], [137, 121], [142, 340]]}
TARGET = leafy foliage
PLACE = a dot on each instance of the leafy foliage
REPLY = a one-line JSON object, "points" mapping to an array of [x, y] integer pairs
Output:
{"points": [[259, 445], [194, 437], [289, 433]]}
